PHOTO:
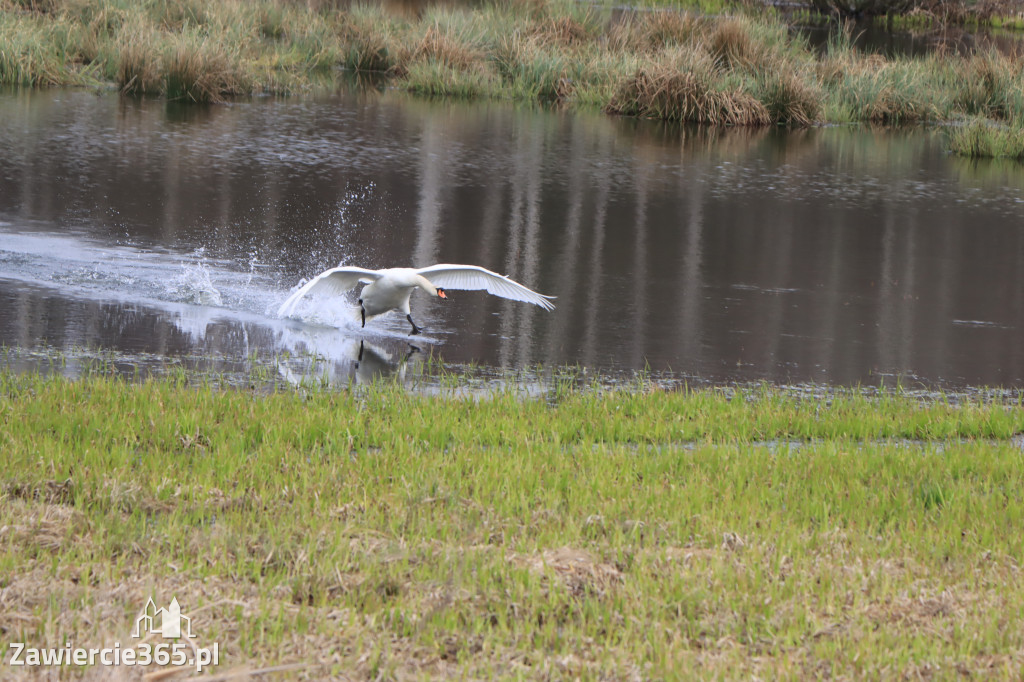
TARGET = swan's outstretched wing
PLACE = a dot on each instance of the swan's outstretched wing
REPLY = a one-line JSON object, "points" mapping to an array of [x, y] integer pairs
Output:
{"points": [[333, 281], [473, 277]]}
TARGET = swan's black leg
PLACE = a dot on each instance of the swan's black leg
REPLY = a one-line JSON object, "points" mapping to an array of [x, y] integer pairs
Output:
{"points": [[415, 330], [360, 358], [412, 349], [362, 311]]}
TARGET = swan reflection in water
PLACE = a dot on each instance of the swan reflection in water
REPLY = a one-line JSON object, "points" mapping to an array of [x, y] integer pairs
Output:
{"points": [[347, 360], [322, 352]]}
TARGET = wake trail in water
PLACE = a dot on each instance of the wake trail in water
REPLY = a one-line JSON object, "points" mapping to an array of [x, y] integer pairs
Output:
{"points": [[195, 288], [83, 268]]}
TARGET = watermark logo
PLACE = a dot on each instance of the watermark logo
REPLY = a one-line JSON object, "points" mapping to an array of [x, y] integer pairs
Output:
{"points": [[170, 621], [178, 646]]}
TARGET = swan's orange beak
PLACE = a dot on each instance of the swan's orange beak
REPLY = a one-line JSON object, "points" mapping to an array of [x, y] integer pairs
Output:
{"points": [[440, 293]]}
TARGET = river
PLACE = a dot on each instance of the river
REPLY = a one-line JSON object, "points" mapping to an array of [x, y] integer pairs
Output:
{"points": [[148, 235]]}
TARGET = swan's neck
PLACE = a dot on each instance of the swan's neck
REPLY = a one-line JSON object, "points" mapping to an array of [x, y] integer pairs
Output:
{"points": [[424, 283]]}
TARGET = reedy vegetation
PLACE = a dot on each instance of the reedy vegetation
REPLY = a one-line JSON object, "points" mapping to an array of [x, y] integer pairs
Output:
{"points": [[727, 70], [375, 533]]}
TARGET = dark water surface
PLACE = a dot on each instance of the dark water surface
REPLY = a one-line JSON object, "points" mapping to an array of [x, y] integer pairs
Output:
{"points": [[158, 234]]}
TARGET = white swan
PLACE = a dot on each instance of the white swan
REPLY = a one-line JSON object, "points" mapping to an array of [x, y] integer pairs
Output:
{"points": [[391, 288]]}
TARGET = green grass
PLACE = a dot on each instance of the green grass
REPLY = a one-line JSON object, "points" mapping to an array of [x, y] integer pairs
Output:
{"points": [[984, 139], [582, 534]]}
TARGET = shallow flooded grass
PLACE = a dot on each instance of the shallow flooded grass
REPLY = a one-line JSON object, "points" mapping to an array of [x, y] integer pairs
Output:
{"points": [[982, 138], [584, 533], [725, 69]]}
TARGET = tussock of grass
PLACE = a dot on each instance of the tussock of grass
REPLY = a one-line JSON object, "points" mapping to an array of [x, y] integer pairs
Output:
{"points": [[989, 84], [30, 54], [982, 139], [685, 88], [731, 43], [439, 79], [892, 93], [591, 534], [199, 69], [140, 67], [656, 30], [447, 50], [367, 52], [532, 70], [789, 100]]}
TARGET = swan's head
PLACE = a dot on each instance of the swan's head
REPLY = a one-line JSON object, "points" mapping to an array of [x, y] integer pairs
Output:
{"points": [[440, 293]]}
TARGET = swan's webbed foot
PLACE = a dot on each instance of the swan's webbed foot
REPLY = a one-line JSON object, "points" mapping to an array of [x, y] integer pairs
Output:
{"points": [[415, 330]]}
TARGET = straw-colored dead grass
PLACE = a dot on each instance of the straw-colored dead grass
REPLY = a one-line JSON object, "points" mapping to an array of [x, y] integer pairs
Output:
{"points": [[686, 97], [446, 49], [989, 85], [789, 99], [140, 64], [561, 31], [893, 105], [44, 525], [198, 69], [366, 44], [655, 30], [729, 69], [730, 42], [578, 570]]}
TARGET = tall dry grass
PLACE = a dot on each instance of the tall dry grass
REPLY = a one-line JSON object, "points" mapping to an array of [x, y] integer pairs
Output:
{"points": [[989, 84], [733, 69], [365, 35], [199, 69], [654, 31], [687, 87], [140, 68], [790, 99]]}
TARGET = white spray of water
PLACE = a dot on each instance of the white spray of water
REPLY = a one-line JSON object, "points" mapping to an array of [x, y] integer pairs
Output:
{"points": [[194, 284]]}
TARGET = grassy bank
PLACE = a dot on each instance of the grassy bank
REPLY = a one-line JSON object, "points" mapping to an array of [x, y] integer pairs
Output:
{"points": [[986, 139], [593, 535], [720, 70]]}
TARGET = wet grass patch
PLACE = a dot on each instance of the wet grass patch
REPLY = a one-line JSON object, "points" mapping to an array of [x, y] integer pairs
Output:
{"points": [[374, 532], [984, 139], [687, 97]]}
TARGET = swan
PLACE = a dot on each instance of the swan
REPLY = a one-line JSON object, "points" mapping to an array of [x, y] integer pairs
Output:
{"points": [[390, 289]]}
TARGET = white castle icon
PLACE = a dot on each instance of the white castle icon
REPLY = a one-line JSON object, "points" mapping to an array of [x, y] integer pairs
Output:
{"points": [[170, 621]]}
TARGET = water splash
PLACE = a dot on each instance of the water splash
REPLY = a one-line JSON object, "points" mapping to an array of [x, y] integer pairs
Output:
{"points": [[194, 284]]}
